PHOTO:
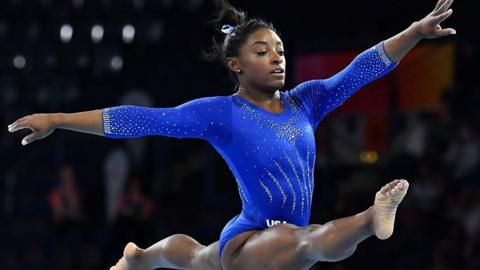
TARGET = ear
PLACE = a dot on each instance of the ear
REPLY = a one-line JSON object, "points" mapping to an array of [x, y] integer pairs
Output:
{"points": [[234, 64]]}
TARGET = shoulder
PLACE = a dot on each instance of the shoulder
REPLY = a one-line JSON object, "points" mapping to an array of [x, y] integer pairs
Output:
{"points": [[213, 101], [304, 88]]}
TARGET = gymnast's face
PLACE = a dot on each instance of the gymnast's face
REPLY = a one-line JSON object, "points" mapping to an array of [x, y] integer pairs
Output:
{"points": [[261, 61]]}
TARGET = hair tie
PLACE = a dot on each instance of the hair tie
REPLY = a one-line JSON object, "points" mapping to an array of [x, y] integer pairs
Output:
{"points": [[227, 29]]}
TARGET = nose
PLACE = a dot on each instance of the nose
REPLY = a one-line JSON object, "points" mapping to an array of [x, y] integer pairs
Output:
{"points": [[277, 59]]}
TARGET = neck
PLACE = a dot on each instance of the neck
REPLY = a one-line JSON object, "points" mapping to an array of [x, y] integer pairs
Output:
{"points": [[258, 96], [270, 101]]}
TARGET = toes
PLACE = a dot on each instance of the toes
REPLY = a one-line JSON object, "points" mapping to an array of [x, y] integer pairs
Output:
{"points": [[399, 184], [384, 189], [396, 183], [402, 185], [387, 188], [394, 187]]}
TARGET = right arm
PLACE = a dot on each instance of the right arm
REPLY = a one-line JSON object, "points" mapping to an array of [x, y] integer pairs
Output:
{"points": [[86, 122], [205, 118], [43, 124]]}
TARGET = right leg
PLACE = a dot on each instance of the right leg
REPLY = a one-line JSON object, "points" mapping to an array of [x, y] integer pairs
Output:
{"points": [[178, 251], [287, 246], [338, 239]]}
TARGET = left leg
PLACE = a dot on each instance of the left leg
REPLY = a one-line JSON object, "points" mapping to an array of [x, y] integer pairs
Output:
{"points": [[178, 251]]}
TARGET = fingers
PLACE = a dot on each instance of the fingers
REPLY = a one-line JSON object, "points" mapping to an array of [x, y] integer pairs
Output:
{"points": [[30, 138], [439, 4], [450, 31], [11, 127], [446, 32], [444, 7], [18, 125], [442, 17], [20, 121]]}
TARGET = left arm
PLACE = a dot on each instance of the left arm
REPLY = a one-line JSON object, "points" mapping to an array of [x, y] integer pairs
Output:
{"points": [[429, 27], [320, 97]]}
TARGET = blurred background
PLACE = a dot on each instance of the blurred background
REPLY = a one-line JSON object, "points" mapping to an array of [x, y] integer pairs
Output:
{"points": [[72, 201]]}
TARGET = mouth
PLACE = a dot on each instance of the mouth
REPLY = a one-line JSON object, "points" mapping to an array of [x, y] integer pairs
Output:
{"points": [[278, 71]]}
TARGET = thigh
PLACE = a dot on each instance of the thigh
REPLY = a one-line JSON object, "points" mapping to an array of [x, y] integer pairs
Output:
{"points": [[280, 247], [206, 258]]}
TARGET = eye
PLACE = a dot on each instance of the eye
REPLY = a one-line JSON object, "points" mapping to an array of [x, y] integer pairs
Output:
{"points": [[262, 53], [281, 53]]}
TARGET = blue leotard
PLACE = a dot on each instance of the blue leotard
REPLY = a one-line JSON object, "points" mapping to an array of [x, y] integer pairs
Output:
{"points": [[271, 155]]}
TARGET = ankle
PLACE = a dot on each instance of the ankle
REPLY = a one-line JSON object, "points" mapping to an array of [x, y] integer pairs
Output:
{"points": [[369, 214]]}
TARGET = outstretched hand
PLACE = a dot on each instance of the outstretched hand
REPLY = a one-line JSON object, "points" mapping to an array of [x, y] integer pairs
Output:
{"points": [[40, 125], [429, 27]]}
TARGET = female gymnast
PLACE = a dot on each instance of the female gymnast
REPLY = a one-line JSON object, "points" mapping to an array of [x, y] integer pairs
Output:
{"points": [[266, 136]]}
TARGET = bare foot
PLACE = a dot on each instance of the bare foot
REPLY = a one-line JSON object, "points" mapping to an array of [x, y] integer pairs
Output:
{"points": [[132, 259], [385, 207]]}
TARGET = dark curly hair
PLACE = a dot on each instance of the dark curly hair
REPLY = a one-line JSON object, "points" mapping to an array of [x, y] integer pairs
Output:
{"points": [[228, 45]]}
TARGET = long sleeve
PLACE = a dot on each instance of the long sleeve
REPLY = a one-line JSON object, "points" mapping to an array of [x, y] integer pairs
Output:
{"points": [[204, 118], [320, 97]]}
